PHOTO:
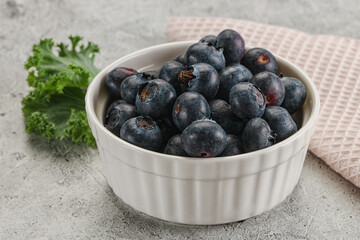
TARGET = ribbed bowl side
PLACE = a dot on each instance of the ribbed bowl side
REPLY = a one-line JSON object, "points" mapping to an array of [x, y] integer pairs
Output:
{"points": [[192, 201]]}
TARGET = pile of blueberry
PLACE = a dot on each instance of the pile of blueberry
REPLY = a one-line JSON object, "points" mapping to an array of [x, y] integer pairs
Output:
{"points": [[213, 100]]}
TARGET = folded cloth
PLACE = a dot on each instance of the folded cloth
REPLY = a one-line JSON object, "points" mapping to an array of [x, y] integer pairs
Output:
{"points": [[333, 63]]}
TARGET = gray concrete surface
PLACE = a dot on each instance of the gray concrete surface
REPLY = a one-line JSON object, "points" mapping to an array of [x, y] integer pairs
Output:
{"points": [[56, 190]]}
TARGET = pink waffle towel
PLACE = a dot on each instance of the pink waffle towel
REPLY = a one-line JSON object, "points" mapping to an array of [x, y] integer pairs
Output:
{"points": [[333, 63]]}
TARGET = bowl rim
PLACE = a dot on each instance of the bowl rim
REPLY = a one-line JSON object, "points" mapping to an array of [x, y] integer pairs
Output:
{"points": [[95, 83]]}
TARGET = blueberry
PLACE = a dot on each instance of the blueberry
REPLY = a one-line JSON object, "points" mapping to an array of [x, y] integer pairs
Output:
{"points": [[233, 45], [222, 114], [230, 76], [203, 138], [130, 86], [280, 122], [113, 105], [155, 98], [188, 107], [271, 86], [259, 60], [167, 127], [209, 39], [181, 59], [174, 146], [257, 135], [170, 72], [247, 101], [233, 146], [201, 78], [115, 77], [203, 52], [142, 131], [118, 113], [295, 94]]}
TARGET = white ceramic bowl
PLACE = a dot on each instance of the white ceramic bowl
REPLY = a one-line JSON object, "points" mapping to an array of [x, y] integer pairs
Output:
{"points": [[192, 190]]}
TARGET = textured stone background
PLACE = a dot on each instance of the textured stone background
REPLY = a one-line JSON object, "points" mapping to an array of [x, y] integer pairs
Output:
{"points": [[52, 190]]}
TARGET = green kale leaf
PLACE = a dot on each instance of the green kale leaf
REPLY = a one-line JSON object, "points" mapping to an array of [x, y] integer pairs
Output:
{"points": [[55, 108]]}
